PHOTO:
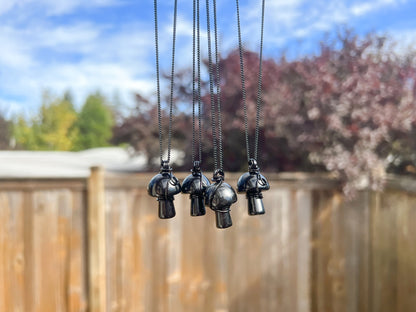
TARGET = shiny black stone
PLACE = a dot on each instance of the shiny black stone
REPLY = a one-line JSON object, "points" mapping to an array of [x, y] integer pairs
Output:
{"points": [[253, 183], [219, 196], [164, 186], [195, 185]]}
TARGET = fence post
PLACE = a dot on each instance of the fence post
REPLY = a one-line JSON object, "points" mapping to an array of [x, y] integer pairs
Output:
{"points": [[96, 241]]}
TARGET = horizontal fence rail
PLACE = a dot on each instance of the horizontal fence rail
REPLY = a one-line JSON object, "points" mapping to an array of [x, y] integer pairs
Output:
{"points": [[97, 245]]}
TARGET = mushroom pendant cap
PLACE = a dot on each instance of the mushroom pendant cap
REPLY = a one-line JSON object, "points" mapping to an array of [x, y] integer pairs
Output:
{"points": [[164, 186], [219, 196], [195, 185], [253, 183]]}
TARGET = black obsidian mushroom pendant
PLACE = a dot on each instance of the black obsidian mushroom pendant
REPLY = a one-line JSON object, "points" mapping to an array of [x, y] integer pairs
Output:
{"points": [[195, 185], [164, 186], [219, 196], [253, 183]]}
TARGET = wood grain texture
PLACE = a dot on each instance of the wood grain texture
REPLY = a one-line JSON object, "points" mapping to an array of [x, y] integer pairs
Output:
{"points": [[77, 276], [35, 249], [341, 254], [384, 252], [406, 255], [187, 264], [62, 243], [96, 225]]}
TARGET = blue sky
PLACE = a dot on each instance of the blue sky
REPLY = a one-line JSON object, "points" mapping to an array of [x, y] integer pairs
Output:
{"points": [[107, 45]]}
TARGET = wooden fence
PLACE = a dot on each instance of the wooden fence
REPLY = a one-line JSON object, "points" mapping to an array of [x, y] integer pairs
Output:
{"points": [[98, 245]]}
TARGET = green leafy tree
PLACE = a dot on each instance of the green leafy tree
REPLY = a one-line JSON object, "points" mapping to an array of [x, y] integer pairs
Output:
{"points": [[95, 123], [23, 134], [53, 128], [56, 127]]}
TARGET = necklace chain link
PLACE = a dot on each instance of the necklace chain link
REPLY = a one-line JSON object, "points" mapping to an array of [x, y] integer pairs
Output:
{"points": [[196, 76], [216, 121], [243, 84], [172, 79]]}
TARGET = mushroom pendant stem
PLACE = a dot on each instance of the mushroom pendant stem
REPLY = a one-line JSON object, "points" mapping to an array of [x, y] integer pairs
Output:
{"points": [[219, 196], [253, 183], [164, 186], [195, 185]]}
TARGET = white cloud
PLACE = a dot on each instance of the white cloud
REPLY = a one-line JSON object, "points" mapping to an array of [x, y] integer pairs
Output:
{"points": [[280, 16], [15, 52], [362, 8], [366, 7], [71, 38], [6, 5], [40, 51], [57, 7], [404, 40], [54, 7], [80, 56], [89, 77], [286, 20]]}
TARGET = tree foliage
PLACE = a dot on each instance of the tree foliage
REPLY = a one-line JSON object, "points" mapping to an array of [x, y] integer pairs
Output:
{"points": [[52, 129], [94, 123], [140, 130], [350, 109], [58, 126]]}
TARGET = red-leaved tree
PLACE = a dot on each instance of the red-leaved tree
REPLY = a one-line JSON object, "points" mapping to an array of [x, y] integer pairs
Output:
{"points": [[350, 110]]}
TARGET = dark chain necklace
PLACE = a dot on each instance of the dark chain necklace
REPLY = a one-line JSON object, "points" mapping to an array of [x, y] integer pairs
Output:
{"points": [[216, 122], [172, 80], [196, 77], [165, 185], [252, 183], [259, 84], [196, 183], [219, 196]]}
